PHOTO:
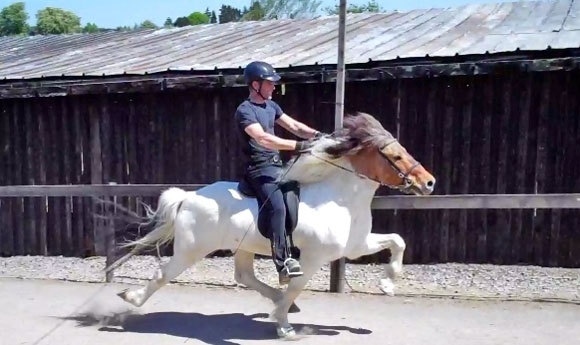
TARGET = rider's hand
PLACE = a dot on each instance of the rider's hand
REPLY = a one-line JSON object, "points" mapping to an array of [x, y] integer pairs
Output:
{"points": [[303, 146], [318, 135]]}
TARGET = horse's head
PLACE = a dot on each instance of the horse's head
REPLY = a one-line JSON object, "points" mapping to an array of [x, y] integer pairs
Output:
{"points": [[373, 152]]}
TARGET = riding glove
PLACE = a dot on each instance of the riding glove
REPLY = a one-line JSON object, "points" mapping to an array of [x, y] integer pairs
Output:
{"points": [[303, 146]]}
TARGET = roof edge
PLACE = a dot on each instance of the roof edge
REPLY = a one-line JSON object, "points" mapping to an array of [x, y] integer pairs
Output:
{"points": [[371, 71]]}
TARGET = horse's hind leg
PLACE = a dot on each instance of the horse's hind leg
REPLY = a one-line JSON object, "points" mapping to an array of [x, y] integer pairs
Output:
{"points": [[178, 263], [187, 249], [244, 274], [295, 287]]}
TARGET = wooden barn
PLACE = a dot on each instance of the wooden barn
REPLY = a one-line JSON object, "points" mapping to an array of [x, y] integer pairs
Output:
{"points": [[485, 96]]}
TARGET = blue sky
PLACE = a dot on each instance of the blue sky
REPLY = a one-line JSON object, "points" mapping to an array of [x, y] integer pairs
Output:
{"points": [[113, 13]]}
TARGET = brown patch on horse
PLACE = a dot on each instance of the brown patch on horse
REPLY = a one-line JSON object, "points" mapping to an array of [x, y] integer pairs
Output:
{"points": [[368, 162], [376, 153]]}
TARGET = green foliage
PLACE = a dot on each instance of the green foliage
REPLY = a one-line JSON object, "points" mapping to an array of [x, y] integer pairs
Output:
{"points": [[229, 14], [181, 22], [13, 20], [197, 18], [279, 9], [124, 28], [56, 21], [256, 12], [371, 6], [50, 20], [91, 28], [147, 24]]}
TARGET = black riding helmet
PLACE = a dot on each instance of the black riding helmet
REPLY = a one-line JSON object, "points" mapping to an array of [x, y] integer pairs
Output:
{"points": [[260, 71]]}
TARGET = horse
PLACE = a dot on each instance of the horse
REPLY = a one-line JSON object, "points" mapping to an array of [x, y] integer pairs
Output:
{"points": [[338, 179]]}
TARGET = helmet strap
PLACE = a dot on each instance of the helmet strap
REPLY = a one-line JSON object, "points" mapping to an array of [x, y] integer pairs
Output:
{"points": [[259, 90]]}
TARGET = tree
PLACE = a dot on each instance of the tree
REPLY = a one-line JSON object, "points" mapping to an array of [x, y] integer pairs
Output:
{"points": [[56, 21], [279, 9], [371, 6], [147, 24], [213, 18], [123, 28], [168, 23], [229, 14], [255, 12], [91, 28], [13, 20], [182, 21], [197, 18]]}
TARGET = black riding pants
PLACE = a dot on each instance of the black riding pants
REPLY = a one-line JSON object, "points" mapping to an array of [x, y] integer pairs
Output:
{"points": [[272, 215]]}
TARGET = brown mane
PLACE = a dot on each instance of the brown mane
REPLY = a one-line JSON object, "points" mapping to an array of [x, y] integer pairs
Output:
{"points": [[360, 130]]}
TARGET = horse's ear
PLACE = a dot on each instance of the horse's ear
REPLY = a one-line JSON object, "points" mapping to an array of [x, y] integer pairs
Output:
{"points": [[342, 147]]}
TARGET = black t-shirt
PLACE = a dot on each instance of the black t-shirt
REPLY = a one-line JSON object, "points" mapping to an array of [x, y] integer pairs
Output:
{"points": [[265, 114]]}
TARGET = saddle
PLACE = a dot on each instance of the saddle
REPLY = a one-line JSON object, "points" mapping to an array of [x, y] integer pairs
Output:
{"points": [[291, 195]]}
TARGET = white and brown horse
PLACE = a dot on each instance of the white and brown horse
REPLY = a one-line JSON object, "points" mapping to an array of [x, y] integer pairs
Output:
{"points": [[338, 180]]}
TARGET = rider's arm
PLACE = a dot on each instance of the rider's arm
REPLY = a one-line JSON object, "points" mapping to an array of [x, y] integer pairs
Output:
{"points": [[296, 127], [268, 140]]}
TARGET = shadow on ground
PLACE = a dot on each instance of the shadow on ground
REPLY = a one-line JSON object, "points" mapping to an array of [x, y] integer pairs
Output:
{"points": [[217, 329]]}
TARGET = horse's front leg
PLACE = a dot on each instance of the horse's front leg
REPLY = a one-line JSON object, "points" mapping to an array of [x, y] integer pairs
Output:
{"points": [[377, 242]]}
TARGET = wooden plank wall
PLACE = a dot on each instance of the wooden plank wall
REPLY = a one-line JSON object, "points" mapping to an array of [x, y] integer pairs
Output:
{"points": [[477, 134]]}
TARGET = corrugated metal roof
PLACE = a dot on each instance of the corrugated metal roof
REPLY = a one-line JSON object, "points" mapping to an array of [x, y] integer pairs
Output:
{"points": [[470, 29]]}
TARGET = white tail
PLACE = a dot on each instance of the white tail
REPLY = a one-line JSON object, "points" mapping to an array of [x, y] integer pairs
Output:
{"points": [[168, 205]]}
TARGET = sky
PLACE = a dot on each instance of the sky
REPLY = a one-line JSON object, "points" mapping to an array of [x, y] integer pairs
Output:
{"points": [[114, 13]]}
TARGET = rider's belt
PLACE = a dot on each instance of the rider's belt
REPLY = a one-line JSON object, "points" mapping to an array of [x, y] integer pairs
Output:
{"points": [[274, 160]]}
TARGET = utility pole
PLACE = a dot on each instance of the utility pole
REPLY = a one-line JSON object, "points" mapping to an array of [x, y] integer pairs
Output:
{"points": [[337, 267]]}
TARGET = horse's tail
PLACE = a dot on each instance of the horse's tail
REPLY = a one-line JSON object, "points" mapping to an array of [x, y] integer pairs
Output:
{"points": [[162, 219]]}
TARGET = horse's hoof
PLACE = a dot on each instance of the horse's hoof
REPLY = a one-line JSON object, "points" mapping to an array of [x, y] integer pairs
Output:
{"points": [[286, 332], [387, 287], [294, 308]]}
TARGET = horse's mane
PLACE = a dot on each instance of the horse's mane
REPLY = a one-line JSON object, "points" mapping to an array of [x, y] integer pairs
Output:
{"points": [[360, 130]]}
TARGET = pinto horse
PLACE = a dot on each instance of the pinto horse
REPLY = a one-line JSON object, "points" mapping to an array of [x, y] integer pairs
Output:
{"points": [[338, 178]]}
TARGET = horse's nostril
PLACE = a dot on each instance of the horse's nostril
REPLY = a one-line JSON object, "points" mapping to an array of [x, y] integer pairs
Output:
{"points": [[430, 184]]}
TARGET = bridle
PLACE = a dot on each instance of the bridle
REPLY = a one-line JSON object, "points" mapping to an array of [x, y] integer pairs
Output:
{"points": [[407, 182]]}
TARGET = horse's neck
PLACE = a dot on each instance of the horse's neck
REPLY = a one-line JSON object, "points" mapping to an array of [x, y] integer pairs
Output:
{"points": [[342, 185], [349, 186]]}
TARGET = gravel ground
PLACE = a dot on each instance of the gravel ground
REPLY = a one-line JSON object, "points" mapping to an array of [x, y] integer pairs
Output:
{"points": [[449, 280]]}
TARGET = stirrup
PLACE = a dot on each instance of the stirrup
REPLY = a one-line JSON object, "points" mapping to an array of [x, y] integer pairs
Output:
{"points": [[288, 272]]}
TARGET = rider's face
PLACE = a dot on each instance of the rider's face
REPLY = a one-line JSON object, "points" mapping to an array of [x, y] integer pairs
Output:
{"points": [[267, 89]]}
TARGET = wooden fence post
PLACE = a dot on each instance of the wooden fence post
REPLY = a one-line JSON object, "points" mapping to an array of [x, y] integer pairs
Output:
{"points": [[109, 233]]}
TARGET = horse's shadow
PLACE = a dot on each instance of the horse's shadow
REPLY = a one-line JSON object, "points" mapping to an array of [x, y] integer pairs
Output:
{"points": [[217, 329]]}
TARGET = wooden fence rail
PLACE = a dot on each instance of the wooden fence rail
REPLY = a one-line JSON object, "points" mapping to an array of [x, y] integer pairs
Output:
{"points": [[380, 202]]}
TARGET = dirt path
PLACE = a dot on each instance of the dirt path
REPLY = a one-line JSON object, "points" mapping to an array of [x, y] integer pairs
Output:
{"points": [[48, 312]]}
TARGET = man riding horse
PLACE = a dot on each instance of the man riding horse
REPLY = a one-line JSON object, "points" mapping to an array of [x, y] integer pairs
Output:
{"points": [[255, 120]]}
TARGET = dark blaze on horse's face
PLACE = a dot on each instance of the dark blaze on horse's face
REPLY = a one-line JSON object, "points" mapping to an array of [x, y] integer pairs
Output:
{"points": [[375, 153]]}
